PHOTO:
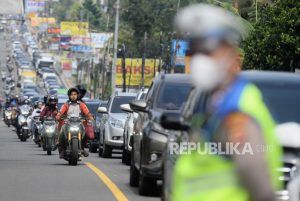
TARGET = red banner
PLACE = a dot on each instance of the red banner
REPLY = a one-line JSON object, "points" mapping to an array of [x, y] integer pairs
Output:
{"points": [[53, 30]]}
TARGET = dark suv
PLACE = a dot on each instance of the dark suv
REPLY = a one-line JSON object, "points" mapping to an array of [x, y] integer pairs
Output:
{"points": [[167, 93]]}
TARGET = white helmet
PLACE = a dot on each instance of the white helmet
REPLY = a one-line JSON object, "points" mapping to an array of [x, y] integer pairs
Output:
{"points": [[210, 23]]}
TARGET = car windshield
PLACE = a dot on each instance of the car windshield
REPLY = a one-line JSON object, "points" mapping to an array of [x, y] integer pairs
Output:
{"points": [[283, 101], [172, 95], [45, 63], [119, 100]]}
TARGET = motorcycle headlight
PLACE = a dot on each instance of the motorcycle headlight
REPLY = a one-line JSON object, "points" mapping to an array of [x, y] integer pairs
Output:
{"points": [[116, 123], [22, 120], [25, 113], [74, 129], [8, 112], [49, 129]]}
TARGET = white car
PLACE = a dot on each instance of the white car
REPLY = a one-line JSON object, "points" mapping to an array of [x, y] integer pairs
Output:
{"points": [[129, 127], [113, 120]]}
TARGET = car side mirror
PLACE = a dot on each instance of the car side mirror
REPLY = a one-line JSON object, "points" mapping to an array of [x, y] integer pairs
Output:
{"points": [[102, 110], [173, 121], [126, 108], [38, 111], [138, 106]]}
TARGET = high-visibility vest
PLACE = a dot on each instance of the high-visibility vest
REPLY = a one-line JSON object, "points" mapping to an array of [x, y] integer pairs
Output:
{"points": [[208, 177]]}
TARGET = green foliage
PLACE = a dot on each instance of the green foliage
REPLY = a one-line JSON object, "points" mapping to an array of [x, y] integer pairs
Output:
{"points": [[70, 10], [275, 41]]}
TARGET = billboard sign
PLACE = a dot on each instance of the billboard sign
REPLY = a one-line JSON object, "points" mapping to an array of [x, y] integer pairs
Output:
{"points": [[134, 72], [74, 28]]}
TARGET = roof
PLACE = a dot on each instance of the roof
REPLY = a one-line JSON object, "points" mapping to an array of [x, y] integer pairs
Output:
{"points": [[178, 78], [125, 94], [271, 76]]}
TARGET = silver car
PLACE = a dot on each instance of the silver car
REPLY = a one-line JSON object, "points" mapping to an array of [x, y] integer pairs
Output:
{"points": [[113, 119], [129, 127]]}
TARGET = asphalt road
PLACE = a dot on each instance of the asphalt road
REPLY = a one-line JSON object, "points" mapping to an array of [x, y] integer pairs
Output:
{"points": [[28, 174]]}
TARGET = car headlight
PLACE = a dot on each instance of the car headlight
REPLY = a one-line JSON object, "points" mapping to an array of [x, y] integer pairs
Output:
{"points": [[50, 129], [74, 129], [116, 123]]}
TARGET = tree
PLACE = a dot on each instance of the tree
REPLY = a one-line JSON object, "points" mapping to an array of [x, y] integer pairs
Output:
{"points": [[274, 44]]}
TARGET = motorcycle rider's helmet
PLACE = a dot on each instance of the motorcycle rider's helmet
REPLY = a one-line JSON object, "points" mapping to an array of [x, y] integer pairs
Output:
{"points": [[52, 100], [82, 91], [26, 102], [73, 90]]}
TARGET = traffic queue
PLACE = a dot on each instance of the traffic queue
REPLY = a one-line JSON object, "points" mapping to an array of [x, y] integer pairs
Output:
{"points": [[216, 104]]}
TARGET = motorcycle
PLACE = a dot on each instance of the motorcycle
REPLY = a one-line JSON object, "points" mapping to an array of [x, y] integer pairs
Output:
{"points": [[7, 91], [11, 86], [36, 130], [22, 129], [72, 137], [8, 117], [14, 116], [49, 135]]}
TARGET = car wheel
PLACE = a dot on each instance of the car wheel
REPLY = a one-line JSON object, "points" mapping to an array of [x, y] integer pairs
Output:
{"points": [[92, 148], [123, 156], [134, 173], [106, 153], [146, 185]]}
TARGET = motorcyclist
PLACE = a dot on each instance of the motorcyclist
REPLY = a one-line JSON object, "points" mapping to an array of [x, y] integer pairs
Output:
{"points": [[50, 109], [73, 107], [235, 115], [35, 113], [6, 105]]}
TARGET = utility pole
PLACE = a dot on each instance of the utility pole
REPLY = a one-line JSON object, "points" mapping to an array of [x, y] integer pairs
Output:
{"points": [[160, 52], [123, 50], [256, 10], [113, 70], [143, 60]]}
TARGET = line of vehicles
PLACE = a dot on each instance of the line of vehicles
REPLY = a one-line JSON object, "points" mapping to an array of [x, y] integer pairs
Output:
{"points": [[167, 112], [142, 125]]}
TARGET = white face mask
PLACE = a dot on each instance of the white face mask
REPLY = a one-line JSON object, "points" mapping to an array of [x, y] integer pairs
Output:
{"points": [[207, 73]]}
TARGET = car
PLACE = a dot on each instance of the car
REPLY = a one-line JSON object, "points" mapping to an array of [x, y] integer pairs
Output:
{"points": [[111, 137], [280, 92], [30, 94], [53, 78], [53, 92], [48, 74], [168, 92], [128, 127], [37, 98], [53, 87], [28, 90], [92, 105], [62, 96], [30, 87], [93, 145]]}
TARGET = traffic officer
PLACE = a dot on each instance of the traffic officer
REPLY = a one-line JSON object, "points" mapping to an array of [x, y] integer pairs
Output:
{"points": [[236, 117]]}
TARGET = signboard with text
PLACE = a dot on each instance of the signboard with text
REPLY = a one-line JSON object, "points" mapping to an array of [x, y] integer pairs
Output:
{"points": [[134, 72], [74, 28]]}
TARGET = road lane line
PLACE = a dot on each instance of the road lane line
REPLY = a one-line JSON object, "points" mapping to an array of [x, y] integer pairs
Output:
{"points": [[112, 187]]}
